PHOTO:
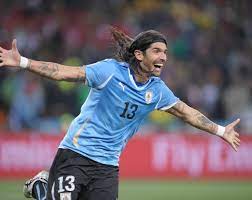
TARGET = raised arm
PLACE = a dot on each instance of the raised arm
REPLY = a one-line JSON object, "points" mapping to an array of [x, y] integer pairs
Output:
{"points": [[50, 70], [198, 120]]}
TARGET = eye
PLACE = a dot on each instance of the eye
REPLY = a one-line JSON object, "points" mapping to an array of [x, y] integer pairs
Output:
{"points": [[156, 50]]}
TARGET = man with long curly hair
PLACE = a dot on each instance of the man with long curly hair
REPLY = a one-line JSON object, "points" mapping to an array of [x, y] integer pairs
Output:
{"points": [[124, 90]]}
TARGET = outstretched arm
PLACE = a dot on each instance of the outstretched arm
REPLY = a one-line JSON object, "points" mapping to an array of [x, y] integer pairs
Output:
{"points": [[50, 70], [56, 71], [198, 120]]}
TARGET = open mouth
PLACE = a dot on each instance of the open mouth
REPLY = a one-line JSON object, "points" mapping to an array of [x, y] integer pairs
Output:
{"points": [[158, 65]]}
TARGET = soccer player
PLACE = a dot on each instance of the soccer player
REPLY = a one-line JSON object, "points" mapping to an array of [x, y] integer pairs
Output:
{"points": [[123, 91]]}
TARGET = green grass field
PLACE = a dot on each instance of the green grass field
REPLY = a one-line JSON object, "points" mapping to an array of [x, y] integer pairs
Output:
{"points": [[160, 190]]}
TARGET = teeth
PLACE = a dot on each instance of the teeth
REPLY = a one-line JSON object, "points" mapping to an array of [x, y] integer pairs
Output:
{"points": [[159, 65]]}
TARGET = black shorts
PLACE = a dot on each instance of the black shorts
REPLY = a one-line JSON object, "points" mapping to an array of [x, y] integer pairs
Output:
{"points": [[73, 176]]}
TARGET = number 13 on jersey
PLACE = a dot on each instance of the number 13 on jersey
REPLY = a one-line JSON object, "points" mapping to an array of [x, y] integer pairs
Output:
{"points": [[129, 111]]}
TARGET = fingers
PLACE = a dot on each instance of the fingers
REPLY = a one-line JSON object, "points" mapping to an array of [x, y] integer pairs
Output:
{"points": [[234, 123], [237, 142], [1, 56], [234, 146], [1, 60], [2, 49], [14, 44], [237, 139], [1, 64]]}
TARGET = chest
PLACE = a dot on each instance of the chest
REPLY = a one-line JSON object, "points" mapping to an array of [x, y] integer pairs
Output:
{"points": [[128, 100]]}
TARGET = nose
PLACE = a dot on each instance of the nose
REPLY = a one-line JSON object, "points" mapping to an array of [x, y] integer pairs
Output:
{"points": [[163, 57]]}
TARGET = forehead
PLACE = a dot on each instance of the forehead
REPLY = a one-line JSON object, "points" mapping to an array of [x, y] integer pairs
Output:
{"points": [[159, 45]]}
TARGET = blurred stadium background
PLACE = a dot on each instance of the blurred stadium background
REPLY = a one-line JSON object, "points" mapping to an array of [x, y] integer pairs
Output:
{"points": [[210, 57]]}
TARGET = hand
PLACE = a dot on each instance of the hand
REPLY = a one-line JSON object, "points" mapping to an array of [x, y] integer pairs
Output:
{"points": [[10, 57], [231, 136]]}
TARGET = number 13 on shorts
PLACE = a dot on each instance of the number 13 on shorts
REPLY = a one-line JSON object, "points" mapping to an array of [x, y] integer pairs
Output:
{"points": [[66, 186]]}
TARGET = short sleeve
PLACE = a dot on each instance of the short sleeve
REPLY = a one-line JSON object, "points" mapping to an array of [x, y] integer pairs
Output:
{"points": [[98, 74], [167, 98]]}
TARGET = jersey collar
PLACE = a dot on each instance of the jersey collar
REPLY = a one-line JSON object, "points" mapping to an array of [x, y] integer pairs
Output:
{"points": [[134, 82]]}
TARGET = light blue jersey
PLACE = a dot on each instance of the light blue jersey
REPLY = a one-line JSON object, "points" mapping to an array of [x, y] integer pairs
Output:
{"points": [[113, 111]]}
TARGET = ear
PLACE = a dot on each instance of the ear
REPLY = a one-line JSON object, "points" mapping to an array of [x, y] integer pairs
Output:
{"points": [[139, 55]]}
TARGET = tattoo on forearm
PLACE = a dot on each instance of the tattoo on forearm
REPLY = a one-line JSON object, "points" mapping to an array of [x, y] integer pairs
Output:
{"points": [[204, 120], [49, 69], [46, 69], [193, 117], [57, 72], [204, 123]]}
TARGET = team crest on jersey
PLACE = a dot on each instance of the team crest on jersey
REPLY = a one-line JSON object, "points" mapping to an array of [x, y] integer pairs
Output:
{"points": [[148, 96]]}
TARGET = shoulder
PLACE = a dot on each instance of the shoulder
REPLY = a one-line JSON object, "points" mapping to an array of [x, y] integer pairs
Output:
{"points": [[105, 62], [160, 85], [117, 63], [157, 81], [113, 63], [160, 82]]}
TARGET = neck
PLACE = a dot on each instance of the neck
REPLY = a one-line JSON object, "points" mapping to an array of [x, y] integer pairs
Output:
{"points": [[140, 76]]}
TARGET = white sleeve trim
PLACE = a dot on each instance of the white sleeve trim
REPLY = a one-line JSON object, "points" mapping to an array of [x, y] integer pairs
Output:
{"points": [[105, 82], [167, 107]]}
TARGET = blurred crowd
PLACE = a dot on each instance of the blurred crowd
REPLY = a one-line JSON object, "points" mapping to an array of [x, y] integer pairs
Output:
{"points": [[210, 57]]}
